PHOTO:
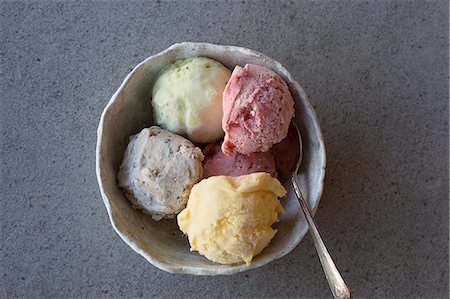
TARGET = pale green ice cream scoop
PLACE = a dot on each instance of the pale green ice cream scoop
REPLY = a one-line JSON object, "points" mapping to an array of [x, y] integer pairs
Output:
{"points": [[187, 98]]}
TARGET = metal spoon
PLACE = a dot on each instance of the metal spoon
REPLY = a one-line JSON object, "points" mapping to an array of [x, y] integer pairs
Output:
{"points": [[334, 278]]}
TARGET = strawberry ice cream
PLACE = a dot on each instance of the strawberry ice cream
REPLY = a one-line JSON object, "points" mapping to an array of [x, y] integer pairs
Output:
{"points": [[217, 163], [257, 110], [286, 152]]}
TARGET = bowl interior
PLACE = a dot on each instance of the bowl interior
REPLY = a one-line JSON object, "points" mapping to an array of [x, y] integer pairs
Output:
{"points": [[161, 242]]}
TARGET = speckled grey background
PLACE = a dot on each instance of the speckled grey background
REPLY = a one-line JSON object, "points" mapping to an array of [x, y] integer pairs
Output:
{"points": [[376, 73]]}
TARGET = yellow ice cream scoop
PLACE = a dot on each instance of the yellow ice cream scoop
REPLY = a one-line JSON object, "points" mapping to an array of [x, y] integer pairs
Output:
{"points": [[187, 98], [229, 219]]}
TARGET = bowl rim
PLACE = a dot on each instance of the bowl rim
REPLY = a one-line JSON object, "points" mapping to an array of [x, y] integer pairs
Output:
{"points": [[187, 269]]}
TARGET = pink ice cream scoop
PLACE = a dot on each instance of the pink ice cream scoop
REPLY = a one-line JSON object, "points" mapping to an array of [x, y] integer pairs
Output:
{"points": [[217, 163], [257, 110], [286, 152]]}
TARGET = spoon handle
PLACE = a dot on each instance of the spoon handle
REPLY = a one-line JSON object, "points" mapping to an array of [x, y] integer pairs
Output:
{"points": [[334, 278]]}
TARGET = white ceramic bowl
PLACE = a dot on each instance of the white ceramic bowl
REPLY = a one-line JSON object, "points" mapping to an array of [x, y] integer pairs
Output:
{"points": [[162, 243]]}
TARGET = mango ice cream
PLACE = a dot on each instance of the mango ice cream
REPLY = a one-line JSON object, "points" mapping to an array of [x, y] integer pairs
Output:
{"points": [[228, 219]]}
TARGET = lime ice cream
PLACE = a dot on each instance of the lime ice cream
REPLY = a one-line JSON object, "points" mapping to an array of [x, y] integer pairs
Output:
{"points": [[187, 98]]}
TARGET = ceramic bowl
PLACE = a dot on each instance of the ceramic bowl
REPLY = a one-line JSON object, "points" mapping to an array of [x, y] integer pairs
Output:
{"points": [[161, 242]]}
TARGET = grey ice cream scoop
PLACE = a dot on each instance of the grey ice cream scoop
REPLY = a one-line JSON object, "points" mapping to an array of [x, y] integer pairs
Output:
{"points": [[158, 171]]}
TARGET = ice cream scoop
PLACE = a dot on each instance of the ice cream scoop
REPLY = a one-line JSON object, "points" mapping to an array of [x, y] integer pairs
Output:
{"points": [[158, 171], [187, 98], [217, 163], [257, 110], [286, 151], [229, 219]]}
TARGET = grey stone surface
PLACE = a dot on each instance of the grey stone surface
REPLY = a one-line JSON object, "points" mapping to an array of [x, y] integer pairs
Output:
{"points": [[376, 73]]}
